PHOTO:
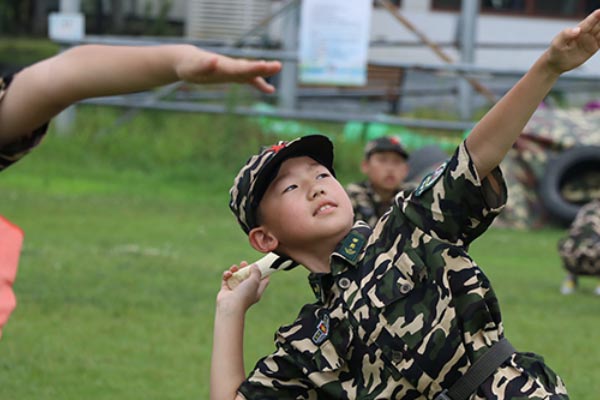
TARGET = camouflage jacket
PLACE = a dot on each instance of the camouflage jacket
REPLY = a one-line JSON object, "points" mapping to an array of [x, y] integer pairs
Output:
{"points": [[405, 311], [367, 204], [580, 250], [14, 151]]}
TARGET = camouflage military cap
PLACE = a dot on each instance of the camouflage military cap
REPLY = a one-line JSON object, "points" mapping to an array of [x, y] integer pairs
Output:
{"points": [[254, 178], [385, 143]]}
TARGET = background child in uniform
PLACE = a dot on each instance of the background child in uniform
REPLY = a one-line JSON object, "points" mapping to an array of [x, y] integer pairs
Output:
{"points": [[385, 165], [402, 311]]}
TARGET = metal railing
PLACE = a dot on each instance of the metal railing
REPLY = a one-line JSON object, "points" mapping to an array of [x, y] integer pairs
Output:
{"points": [[303, 111]]}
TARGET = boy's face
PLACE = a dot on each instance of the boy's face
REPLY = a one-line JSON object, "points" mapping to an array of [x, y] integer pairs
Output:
{"points": [[305, 204], [386, 170]]}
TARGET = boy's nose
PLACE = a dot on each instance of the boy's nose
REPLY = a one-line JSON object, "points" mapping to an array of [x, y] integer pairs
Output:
{"points": [[317, 191]]}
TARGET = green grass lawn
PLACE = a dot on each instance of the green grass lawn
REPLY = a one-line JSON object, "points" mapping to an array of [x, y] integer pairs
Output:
{"points": [[120, 268]]}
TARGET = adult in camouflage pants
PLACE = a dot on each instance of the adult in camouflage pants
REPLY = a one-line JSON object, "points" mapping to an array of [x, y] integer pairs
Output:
{"points": [[580, 249]]}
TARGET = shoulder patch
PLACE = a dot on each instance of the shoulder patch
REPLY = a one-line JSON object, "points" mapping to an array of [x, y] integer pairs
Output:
{"points": [[430, 179], [352, 245]]}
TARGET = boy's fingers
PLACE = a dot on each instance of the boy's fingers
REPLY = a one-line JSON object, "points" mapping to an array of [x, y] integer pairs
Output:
{"points": [[255, 272], [590, 22], [262, 286], [225, 277], [271, 68], [262, 85], [595, 28]]}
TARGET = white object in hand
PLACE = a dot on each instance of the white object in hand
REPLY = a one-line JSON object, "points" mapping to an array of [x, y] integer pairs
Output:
{"points": [[266, 265]]}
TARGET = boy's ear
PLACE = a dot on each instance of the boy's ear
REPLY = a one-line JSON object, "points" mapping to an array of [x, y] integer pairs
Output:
{"points": [[364, 166], [405, 169], [262, 240]]}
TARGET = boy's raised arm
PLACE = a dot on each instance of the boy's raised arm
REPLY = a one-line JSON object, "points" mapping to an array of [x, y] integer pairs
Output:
{"points": [[227, 363], [494, 135], [40, 91]]}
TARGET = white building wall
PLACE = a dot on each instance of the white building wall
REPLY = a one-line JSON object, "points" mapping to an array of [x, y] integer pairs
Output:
{"points": [[238, 16], [416, 5], [441, 27]]}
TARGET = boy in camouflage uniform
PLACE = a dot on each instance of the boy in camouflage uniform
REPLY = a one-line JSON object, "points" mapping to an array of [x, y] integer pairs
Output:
{"points": [[401, 311], [30, 98], [385, 165], [580, 250]]}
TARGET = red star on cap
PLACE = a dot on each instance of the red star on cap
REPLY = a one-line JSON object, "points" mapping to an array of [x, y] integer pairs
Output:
{"points": [[394, 140], [276, 147]]}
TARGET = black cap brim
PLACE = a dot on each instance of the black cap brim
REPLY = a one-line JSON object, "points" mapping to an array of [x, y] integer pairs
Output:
{"points": [[317, 147], [388, 147]]}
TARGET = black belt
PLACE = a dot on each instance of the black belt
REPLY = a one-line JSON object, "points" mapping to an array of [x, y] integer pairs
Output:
{"points": [[478, 372]]}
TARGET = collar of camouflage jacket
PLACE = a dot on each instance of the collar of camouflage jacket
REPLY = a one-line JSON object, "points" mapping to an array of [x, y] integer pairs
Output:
{"points": [[348, 253]]}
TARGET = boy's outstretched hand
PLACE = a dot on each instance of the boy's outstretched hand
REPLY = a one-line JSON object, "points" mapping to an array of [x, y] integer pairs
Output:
{"points": [[573, 46], [206, 67], [246, 293]]}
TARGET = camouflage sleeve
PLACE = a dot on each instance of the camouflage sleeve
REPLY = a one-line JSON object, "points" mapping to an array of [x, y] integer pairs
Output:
{"points": [[14, 151], [277, 376], [353, 190], [362, 206], [453, 203]]}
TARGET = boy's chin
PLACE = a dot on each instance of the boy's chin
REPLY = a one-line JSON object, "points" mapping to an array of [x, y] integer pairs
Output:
{"points": [[390, 186]]}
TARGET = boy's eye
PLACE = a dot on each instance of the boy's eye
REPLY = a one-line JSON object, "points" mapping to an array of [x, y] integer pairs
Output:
{"points": [[289, 188], [323, 175]]}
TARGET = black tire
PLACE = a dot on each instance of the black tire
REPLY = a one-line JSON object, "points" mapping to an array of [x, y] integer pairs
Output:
{"points": [[424, 159], [560, 170]]}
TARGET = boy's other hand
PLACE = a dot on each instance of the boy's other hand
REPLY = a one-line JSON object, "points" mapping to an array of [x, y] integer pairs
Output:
{"points": [[573, 46]]}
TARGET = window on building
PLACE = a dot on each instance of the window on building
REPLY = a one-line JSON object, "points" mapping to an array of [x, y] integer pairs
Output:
{"points": [[531, 8], [503, 5], [591, 5], [446, 4], [397, 3]]}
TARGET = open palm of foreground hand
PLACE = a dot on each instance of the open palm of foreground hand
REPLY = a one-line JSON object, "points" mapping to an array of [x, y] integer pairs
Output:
{"points": [[572, 47]]}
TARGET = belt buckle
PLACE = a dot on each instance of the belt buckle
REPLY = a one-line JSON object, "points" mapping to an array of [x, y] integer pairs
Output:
{"points": [[443, 395]]}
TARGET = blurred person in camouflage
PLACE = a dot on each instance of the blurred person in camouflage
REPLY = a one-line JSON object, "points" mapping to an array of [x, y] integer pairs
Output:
{"points": [[30, 98], [401, 310], [551, 160], [580, 249], [385, 166]]}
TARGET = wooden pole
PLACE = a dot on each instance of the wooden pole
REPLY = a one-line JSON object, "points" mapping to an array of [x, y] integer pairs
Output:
{"points": [[392, 9]]}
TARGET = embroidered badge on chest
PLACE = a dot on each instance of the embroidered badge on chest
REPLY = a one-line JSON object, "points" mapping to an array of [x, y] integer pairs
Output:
{"points": [[322, 331], [430, 179]]}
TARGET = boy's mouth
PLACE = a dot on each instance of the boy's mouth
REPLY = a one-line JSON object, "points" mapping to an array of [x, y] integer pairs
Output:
{"points": [[324, 208]]}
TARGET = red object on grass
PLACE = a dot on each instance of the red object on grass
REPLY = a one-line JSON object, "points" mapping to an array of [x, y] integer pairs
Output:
{"points": [[11, 239]]}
